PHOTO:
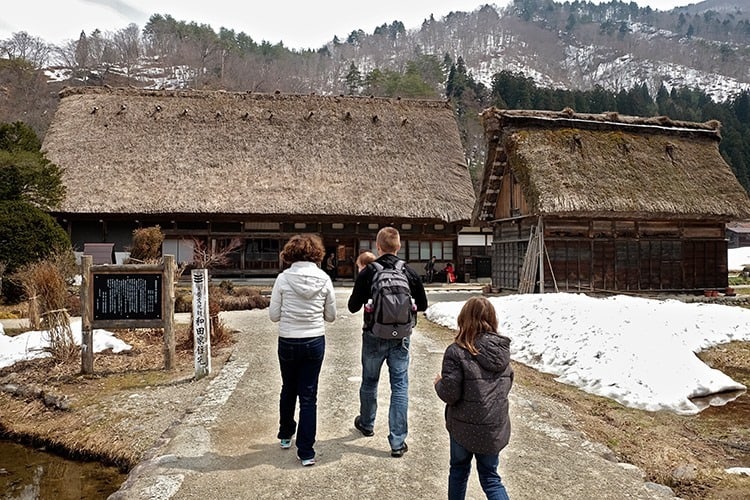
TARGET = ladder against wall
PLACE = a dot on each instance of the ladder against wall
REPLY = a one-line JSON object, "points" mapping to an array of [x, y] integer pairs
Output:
{"points": [[527, 279]]}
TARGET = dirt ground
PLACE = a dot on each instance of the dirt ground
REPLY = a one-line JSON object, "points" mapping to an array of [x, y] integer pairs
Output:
{"points": [[689, 454], [117, 414]]}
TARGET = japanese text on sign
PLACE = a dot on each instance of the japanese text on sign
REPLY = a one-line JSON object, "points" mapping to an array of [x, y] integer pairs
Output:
{"points": [[201, 323], [127, 296]]}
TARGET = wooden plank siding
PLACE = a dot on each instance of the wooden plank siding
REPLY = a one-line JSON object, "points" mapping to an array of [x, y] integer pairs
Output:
{"points": [[261, 239], [511, 202], [597, 255]]}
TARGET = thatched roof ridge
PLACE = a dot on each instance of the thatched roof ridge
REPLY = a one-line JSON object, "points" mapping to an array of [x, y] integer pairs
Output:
{"points": [[224, 95], [495, 118], [141, 151], [610, 166]]}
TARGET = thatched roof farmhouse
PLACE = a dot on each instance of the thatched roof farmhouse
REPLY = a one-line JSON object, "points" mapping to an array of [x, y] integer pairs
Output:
{"points": [[623, 203], [221, 165]]}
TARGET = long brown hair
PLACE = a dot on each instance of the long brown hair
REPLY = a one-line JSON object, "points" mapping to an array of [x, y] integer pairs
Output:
{"points": [[477, 316]]}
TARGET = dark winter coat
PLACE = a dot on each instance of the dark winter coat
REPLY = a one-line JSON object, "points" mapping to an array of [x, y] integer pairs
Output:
{"points": [[363, 284], [475, 390]]}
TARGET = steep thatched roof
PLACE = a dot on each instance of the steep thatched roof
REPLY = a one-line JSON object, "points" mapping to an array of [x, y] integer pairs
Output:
{"points": [[127, 151], [609, 165]]}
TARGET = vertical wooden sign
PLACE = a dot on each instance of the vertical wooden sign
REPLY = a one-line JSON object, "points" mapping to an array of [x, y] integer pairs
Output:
{"points": [[201, 323], [87, 333]]}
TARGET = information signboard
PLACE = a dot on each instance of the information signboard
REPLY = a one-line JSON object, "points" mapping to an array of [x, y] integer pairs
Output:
{"points": [[127, 296]]}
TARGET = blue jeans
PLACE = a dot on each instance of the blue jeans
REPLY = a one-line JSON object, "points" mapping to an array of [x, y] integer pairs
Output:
{"points": [[396, 354], [300, 361], [486, 468]]}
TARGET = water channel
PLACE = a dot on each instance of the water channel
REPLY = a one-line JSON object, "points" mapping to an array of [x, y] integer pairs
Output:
{"points": [[28, 473]]}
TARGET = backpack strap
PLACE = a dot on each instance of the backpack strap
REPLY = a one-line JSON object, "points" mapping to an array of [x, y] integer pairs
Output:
{"points": [[399, 266]]}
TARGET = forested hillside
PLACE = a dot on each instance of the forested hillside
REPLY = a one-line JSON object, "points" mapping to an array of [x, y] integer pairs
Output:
{"points": [[690, 63]]}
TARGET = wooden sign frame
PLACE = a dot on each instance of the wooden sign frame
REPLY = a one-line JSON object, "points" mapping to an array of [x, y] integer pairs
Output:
{"points": [[118, 297], [126, 297]]}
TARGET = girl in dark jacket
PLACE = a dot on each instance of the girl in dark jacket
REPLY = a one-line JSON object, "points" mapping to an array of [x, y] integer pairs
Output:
{"points": [[475, 381]]}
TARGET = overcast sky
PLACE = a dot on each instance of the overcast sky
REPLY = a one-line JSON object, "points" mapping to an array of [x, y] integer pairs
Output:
{"points": [[298, 23]]}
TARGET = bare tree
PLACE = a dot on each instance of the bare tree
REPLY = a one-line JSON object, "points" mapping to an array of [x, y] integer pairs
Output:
{"points": [[65, 54], [207, 256], [102, 52], [127, 46], [21, 45]]}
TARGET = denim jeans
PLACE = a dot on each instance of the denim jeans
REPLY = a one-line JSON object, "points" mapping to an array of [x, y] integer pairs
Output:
{"points": [[486, 468], [396, 355], [300, 361]]}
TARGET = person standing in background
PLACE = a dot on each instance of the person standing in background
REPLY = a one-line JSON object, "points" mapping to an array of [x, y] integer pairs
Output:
{"points": [[331, 265], [450, 273], [364, 259], [430, 269]]}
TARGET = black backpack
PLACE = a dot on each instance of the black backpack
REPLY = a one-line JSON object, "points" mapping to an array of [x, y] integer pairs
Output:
{"points": [[394, 312]]}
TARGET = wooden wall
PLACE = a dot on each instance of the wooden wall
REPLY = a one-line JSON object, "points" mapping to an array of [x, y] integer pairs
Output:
{"points": [[616, 255]]}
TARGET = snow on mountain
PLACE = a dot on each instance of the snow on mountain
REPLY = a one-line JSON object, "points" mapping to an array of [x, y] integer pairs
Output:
{"points": [[493, 39]]}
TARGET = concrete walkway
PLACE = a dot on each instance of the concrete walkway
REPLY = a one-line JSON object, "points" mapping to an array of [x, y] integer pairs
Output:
{"points": [[226, 446]]}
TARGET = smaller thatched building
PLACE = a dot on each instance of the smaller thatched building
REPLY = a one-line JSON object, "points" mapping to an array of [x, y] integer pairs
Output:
{"points": [[605, 202], [215, 167], [738, 234]]}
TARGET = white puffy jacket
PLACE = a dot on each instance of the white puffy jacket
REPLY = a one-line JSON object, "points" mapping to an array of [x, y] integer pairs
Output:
{"points": [[301, 299]]}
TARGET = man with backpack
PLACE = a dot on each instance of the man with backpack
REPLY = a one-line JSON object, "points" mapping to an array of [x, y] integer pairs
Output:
{"points": [[392, 293]]}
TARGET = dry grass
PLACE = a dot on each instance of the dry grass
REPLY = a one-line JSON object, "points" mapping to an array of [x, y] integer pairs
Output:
{"points": [[12, 311], [128, 391]]}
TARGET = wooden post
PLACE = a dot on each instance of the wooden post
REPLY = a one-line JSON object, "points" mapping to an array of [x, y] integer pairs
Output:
{"points": [[168, 301], [87, 334], [201, 323], [540, 231]]}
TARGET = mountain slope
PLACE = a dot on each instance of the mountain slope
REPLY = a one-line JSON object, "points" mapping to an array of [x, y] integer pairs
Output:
{"points": [[581, 45]]}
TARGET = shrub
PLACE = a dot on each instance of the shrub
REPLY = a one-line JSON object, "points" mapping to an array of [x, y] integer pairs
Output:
{"points": [[243, 302], [220, 334], [27, 235], [241, 298], [147, 243], [45, 284], [183, 301], [73, 304]]}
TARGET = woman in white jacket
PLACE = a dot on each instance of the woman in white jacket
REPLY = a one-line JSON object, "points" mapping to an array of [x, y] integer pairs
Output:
{"points": [[302, 299]]}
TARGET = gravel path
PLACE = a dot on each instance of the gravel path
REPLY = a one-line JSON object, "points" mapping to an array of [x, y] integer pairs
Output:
{"points": [[226, 447]]}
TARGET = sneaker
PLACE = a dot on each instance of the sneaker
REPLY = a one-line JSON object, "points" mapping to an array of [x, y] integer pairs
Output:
{"points": [[399, 452], [307, 462], [358, 426], [285, 444]]}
